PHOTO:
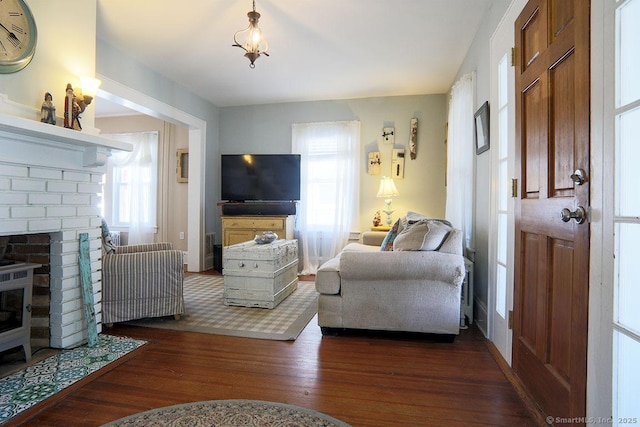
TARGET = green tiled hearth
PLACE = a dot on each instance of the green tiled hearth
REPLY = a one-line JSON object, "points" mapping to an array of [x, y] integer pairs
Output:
{"points": [[30, 386]]}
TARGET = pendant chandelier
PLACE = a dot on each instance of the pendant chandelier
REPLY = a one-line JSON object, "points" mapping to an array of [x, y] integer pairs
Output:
{"points": [[251, 39]]}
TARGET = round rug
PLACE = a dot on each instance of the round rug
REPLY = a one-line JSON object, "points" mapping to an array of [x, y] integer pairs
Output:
{"points": [[229, 413]]}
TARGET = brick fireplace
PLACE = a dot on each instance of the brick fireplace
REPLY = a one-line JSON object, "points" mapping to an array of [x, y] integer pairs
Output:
{"points": [[50, 189]]}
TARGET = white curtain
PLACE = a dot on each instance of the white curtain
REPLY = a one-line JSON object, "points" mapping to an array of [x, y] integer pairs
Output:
{"points": [[460, 152], [329, 205], [139, 200]]}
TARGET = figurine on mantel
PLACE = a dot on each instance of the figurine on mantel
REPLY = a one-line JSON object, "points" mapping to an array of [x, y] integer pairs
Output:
{"points": [[48, 110], [72, 110]]}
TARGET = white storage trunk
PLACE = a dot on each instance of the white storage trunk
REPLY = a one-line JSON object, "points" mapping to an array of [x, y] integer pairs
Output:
{"points": [[260, 275]]}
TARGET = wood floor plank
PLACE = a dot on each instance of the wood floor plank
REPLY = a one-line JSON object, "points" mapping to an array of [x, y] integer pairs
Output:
{"points": [[362, 379]]}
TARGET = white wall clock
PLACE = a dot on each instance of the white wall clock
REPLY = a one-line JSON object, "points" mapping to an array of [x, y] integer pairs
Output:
{"points": [[18, 35]]}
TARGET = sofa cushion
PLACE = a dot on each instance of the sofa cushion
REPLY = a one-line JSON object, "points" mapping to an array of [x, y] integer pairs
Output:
{"points": [[373, 238], [422, 235], [359, 247]]}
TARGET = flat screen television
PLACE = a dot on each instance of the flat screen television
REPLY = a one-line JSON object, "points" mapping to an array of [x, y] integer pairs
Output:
{"points": [[260, 177]]}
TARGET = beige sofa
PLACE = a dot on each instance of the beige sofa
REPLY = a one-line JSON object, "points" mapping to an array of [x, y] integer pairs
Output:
{"points": [[408, 290]]}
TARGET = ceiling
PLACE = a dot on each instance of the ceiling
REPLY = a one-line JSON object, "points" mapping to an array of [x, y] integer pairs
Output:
{"points": [[319, 49]]}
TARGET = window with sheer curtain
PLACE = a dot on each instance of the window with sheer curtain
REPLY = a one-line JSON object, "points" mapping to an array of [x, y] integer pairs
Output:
{"points": [[329, 189], [131, 187], [460, 151]]}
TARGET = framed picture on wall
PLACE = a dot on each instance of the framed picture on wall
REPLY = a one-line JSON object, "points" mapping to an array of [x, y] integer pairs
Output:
{"points": [[481, 119], [182, 166]]}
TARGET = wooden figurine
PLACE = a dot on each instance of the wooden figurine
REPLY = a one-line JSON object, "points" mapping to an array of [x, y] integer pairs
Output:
{"points": [[413, 139], [72, 110]]}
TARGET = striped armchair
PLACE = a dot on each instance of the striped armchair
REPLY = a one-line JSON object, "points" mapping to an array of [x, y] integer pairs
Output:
{"points": [[141, 281]]}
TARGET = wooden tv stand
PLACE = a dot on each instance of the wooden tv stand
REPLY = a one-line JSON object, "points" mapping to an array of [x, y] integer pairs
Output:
{"points": [[242, 228]]}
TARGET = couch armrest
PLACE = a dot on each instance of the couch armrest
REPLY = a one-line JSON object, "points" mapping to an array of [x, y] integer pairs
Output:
{"points": [[404, 265], [328, 277], [145, 247], [373, 238]]}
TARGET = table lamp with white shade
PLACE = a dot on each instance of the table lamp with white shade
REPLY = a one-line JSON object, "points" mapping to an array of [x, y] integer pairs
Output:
{"points": [[387, 190]]}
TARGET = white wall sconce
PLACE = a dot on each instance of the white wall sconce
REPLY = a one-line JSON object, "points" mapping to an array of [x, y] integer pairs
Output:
{"points": [[75, 104], [90, 87]]}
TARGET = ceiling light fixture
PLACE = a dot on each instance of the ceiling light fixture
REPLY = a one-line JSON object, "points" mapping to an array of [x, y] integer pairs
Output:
{"points": [[254, 43]]}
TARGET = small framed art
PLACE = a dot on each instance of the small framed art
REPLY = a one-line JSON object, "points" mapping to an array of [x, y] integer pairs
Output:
{"points": [[481, 119], [182, 166]]}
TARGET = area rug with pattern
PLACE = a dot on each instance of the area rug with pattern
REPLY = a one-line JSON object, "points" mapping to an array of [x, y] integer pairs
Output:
{"points": [[230, 413], [205, 312], [24, 389]]}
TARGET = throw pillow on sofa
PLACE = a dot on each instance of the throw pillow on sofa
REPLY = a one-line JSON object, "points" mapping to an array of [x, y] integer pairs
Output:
{"points": [[387, 243], [401, 224], [438, 232], [410, 239], [422, 235], [412, 217]]}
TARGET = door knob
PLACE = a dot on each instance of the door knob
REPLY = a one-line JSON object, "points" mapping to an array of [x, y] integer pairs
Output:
{"points": [[579, 176], [580, 215]]}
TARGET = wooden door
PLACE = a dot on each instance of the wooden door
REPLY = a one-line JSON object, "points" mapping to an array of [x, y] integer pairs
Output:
{"points": [[551, 255]]}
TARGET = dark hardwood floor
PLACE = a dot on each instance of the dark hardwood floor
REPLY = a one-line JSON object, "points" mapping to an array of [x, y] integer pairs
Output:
{"points": [[361, 379]]}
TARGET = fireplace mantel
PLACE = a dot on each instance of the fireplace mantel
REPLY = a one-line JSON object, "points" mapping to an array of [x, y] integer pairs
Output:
{"points": [[95, 148], [51, 182]]}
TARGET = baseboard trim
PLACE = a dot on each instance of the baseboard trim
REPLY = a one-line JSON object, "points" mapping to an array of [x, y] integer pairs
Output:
{"points": [[536, 412]]}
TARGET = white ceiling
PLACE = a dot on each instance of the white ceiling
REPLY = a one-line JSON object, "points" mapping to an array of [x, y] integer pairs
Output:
{"points": [[319, 49]]}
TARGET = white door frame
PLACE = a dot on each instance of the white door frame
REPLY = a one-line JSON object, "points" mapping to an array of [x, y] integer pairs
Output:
{"points": [[502, 41], [600, 345], [600, 398], [124, 95]]}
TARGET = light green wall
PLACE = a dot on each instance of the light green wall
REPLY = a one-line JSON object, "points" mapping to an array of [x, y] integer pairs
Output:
{"points": [[266, 129]]}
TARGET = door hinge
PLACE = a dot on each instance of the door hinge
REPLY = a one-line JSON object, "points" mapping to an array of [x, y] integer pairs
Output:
{"points": [[510, 319], [513, 56], [514, 187]]}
